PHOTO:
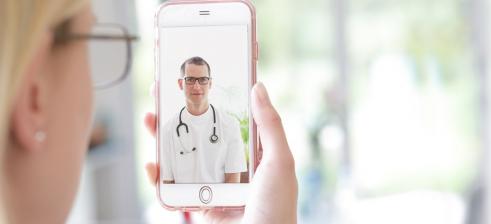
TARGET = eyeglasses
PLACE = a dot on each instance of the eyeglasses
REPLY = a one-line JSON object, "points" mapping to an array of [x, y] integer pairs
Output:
{"points": [[201, 80], [109, 50]]}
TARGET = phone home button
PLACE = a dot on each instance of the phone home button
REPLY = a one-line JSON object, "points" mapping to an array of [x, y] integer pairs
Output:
{"points": [[205, 194]]}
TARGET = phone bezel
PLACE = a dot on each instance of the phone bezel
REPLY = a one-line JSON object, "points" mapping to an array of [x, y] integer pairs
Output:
{"points": [[238, 192]]}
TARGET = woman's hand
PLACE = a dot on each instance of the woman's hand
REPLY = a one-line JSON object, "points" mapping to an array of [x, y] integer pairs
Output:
{"points": [[273, 196]]}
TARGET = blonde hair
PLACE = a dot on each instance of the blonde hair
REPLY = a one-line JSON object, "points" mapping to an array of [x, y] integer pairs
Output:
{"points": [[22, 24]]}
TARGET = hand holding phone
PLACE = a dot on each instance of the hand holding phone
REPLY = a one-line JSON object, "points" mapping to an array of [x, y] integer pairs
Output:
{"points": [[273, 196]]}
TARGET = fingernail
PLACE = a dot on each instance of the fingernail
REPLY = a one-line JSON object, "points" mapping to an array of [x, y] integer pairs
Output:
{"points": [[261, 93]]}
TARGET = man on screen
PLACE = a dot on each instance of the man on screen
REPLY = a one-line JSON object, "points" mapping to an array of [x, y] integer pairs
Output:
{"points": [[201, 144]]}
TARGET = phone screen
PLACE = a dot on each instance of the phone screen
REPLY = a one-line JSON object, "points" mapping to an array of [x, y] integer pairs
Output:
{"points": [[204, 119]]}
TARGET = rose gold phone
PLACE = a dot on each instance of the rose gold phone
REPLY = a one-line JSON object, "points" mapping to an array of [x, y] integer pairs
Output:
{"points": [[206, 56]]}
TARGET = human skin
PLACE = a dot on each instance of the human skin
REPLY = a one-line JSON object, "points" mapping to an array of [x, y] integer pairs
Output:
{"points": [[197, 102], [197, 94], [274, 190], [55, 97]]}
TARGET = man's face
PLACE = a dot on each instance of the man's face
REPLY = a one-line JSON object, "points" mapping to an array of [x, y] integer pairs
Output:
{"points": [[195, 93]]}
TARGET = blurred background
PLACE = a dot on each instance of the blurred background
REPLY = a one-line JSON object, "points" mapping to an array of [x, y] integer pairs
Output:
{"points": [[386, 106]]}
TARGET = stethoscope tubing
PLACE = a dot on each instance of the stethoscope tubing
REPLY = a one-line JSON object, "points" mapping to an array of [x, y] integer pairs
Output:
{"points": [[213, 138]]}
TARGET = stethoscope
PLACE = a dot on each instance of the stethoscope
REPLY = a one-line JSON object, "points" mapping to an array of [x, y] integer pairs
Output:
{"points": [[213, 137]]}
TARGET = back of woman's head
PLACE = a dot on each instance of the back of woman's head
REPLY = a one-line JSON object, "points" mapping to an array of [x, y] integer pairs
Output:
{"points": [[22, 25]]}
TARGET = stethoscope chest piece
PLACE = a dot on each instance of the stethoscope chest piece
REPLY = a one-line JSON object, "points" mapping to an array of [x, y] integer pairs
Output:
{"points": [[214, 136]]}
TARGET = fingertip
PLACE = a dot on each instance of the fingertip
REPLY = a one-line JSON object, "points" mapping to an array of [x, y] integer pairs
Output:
{"points": [[269, 123], [149, 166], [146, 118], [149, 116], [150, 122], [151, 169], [261, 94], [255, 102], [262, 109]]}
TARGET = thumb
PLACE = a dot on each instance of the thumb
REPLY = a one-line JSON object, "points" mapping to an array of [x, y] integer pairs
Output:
{"points": [[269, 125], [273, 197]]}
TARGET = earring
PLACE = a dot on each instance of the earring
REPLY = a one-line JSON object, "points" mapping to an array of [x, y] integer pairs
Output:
{"points": [[40, 136]]}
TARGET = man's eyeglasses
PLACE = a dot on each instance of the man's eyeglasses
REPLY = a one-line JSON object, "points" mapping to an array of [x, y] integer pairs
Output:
{"points": [[201, 80], [110, 51]]}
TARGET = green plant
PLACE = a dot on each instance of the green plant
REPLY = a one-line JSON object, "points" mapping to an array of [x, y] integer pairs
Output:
{"points": [[244, 130]]}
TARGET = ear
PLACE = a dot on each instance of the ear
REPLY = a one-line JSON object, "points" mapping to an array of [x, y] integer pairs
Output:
{"points": [[209, 84], [29, 112], [179, 82]]}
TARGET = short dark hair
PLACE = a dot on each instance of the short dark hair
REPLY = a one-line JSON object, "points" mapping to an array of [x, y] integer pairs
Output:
{"points": [[194, 61]]}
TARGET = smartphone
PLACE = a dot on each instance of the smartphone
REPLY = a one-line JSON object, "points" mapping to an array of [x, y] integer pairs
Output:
{"points": [[206, 56]]}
